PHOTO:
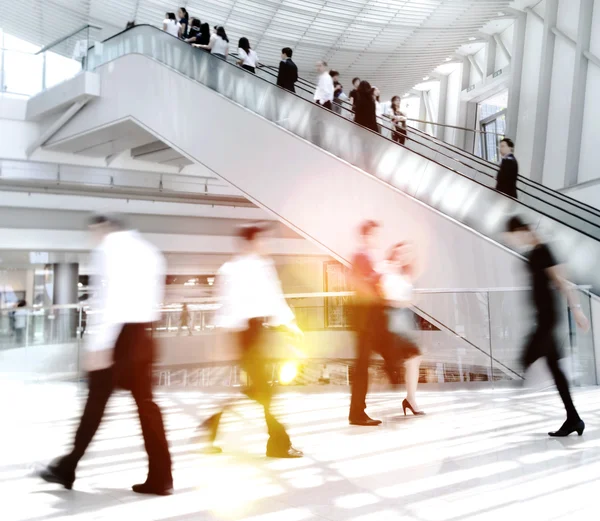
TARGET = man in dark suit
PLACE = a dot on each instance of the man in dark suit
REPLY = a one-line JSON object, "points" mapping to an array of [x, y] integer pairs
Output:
{"points": [[506, 182], [370, 324], [288, 72]]}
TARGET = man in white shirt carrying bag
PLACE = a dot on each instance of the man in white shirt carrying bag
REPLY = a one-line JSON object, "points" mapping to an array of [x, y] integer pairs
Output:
{"points": [[119, 350], [324, 92], [250, 294]]}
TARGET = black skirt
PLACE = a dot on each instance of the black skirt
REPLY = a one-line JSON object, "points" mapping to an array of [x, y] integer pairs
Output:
{"points": [[249, 68]]}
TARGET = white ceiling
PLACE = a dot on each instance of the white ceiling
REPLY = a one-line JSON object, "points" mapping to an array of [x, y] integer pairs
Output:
{"points": [[392, 43]]}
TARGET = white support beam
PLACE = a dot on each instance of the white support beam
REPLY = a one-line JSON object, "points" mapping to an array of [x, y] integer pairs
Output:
{"points": [[502, 47], [543, 101], [474, 64], [584, 35], [564, 36], [55, 127], [516, 77], [490, 57], [592, 58]]}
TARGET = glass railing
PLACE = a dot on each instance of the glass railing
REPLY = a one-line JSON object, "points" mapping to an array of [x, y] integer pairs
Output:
{"points": [[27, 74], [480, 340], [466, 198]]}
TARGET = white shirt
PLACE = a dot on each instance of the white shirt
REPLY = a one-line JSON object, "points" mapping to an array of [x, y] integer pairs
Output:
{"points": [[250, 59], [130, 275], [219, 46], [20, 318], [172, 27], [324, 90], [395, 286], [248, 287]]}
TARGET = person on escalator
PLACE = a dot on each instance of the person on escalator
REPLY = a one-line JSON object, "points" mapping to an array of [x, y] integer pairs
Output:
{"points": [[194, 33], [218, 44], [354, 92], [338, 92], [399, 119], [324, 92], [506, 182], [288, 71], [547, 276], [365, 107], [170, 25], [248, 59], [184, 23]]}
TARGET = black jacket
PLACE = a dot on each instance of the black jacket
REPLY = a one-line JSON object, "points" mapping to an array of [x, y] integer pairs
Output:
{"points": [[365, 111], [506, 182], [288, 75]]}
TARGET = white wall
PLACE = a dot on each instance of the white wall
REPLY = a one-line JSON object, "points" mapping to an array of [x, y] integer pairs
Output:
{"points": [[479, 58], [529, 93], [590, 151]]}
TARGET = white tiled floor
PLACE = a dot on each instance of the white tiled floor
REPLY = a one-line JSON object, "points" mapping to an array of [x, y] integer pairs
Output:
{"points": [[476, 456]]}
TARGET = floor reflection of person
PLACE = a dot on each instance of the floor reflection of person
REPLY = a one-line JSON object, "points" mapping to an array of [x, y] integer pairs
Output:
{"points": [[546, 277], [251, 295], [119, 351], [398, 274]]}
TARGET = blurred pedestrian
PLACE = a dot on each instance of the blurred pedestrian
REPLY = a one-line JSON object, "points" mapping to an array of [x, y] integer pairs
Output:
{"points": [[324, 91], [287, 75], [547, 276], [120, 351], [354, 92], [248, 59], [184, 22], [365, 108], [399, 271], [250, 295], [184, 320], [170, 25], [399, 120], [20, 321], [218, 44], [338, 92]]}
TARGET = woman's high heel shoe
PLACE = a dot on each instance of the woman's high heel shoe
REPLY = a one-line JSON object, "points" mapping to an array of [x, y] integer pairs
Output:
{"points": [[406, 405]]}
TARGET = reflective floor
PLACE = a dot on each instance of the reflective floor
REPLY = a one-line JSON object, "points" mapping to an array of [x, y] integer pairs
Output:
{"points": [[477, 455]]}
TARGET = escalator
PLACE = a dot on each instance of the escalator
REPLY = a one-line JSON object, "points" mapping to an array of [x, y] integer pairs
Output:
{"points": [[321, 174]]}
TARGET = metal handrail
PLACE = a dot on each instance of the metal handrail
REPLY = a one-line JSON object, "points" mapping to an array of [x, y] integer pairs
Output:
{"points": [[428, 138], [318, 294], [63, 38], [471, 157]]}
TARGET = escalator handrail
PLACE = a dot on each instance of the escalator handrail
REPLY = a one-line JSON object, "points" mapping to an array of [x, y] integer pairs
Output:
{"points": [[537, 211], [484, 163]]}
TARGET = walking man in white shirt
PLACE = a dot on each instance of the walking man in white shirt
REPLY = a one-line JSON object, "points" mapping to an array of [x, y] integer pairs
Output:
{"points": [[250, 293], [120, 350], [325, 90]]}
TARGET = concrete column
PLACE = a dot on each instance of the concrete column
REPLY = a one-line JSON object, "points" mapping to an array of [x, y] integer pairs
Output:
{"points": [[543, 102], [584, 33], [66, 278], [516, 76], [441, 131], [490, 57], [422, 112]]}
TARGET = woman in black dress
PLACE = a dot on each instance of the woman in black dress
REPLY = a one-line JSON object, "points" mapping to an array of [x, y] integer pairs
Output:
{"points": [[399, 119], [364, 107]]}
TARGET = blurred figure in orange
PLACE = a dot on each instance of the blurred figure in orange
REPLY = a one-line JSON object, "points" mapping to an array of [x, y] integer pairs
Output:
{"points": [[251, 296], [546, 277]]}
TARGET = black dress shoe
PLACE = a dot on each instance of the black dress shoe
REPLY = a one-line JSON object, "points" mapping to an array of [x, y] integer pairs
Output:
{"points": [[365, 422], [148, 488], [567, 428], [51, 475], [289, 453]]}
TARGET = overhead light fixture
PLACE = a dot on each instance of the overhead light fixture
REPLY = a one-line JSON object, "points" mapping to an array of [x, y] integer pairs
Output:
{"points": [[448, 59], [501, 13], [472, 38], [406, 95], [210, 280], [425, 78]]}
